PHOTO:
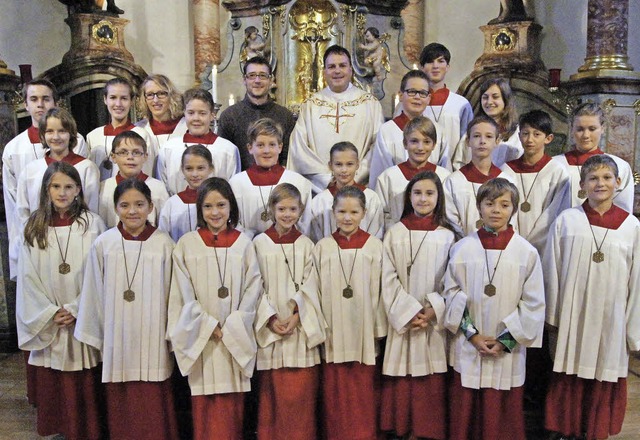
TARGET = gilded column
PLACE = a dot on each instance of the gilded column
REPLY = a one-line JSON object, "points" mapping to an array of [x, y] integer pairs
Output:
{"points": [[607, 36], [206, 32], [413, 17]]}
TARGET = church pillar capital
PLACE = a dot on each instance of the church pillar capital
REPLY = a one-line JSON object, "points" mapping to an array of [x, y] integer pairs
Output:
{"points": [[206, 34]]}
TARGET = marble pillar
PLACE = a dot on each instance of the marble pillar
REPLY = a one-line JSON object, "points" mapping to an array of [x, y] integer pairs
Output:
{"points": [[607, 40], [206, 34], [413, 17], [9, 84]]}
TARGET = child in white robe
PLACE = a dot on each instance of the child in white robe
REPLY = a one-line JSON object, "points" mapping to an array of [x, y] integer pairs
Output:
{"points": [[388, 149], [215, 288], [461, 187], [179, 214], [592, 280], [494, 298], [497, 102], [253, 187], [419, 139], [587, 126], [58, 237], [199, 116], [58, 132], [289, 324], [346, 275], [129, 153], [344, 163], [161, 104], [414, 387], [123, 313], [118, 96], [542, 182]]}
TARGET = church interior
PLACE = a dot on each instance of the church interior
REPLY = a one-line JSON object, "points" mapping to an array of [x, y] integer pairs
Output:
{"points": [[555, 54]]}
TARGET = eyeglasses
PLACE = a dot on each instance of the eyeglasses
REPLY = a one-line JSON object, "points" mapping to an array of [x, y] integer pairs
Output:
{"points": [[160, 95], [420, 93], [252, 76], [125, 153]]}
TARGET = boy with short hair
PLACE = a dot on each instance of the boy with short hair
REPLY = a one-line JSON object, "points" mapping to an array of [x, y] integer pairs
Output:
{"points": [[592, 284], [461, 187], [543, 183], [452, 112], [129, 153], [389, 148], [253, 186], [494, 296]]}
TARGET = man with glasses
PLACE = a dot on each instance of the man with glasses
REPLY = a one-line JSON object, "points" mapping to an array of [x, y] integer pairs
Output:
{"points": [[389, 149], [339, 112], [234, 121]]}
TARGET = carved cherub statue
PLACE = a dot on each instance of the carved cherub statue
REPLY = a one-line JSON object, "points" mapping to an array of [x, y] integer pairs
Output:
{"points": [[375, 54]]}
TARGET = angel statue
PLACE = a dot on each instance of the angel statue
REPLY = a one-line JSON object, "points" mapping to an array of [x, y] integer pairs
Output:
{"points": [[375, 53]]}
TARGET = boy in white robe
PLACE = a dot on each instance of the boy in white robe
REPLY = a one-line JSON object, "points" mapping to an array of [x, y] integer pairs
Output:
{"points": [[129, 153], [118, 97], [389, 147], [419, 139], [461, 186], [494, 298], [252, 188], [199, 116], [543, 184], [592, 281]]}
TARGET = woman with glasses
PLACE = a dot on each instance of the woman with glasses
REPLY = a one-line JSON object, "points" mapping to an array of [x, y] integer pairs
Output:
{"points": [[161, 104], [119, 94]]}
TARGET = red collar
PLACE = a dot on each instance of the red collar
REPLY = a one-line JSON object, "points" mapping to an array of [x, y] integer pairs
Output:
{"points": [[34, 135], [206, 139], [146, 233], [188, 195], [141, 177], [224, 239], [409, 171], [439, 97], [356, 241], [612, 219], [333, 187], [110, 130], [415, 223], [265, 176], [71, 158], [577, 158], [475, 176], [166, 127], [288, 238], [401, 120], [56, 220], [497, 241], [519, 166]]}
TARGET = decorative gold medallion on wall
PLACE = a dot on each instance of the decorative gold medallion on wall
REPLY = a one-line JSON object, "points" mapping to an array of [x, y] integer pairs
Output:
{"points": [[104, 32], [503, 40]]}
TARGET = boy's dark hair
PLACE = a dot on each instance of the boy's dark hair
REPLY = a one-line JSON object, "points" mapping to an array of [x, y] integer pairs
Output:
{"points": [[595, 162], [412, 74], [264, 126], [257, 60], [479, 120], [335, 50], [432, 52], [200, 94], [494, 188], [40, 82], [128, 135], [537, 119]]}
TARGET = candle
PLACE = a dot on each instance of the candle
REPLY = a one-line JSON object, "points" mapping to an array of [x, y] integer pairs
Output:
{"points": [[415, 66], [214, 83], [396, 100], [232, 100]]}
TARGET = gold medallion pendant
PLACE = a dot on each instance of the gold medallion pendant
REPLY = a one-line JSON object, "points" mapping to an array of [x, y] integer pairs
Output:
{"points": [[582, 194], [598, 257], [347, 292], [129, 295], [525, 207], [264, 216], [223, 292], [489, 290], [64, 268]]}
